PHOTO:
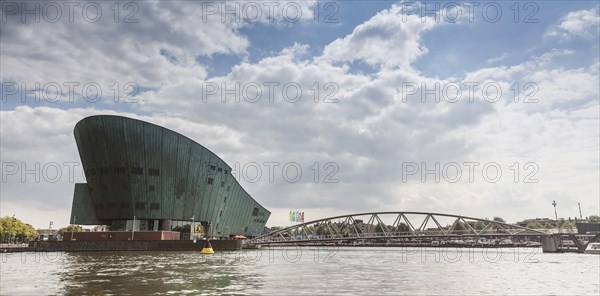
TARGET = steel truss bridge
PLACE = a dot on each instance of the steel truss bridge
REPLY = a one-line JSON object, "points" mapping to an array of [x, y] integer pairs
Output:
{"points": [[393, 225]]}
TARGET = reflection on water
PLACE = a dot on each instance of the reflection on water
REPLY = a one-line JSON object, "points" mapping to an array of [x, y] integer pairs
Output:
{"points": [[306, 271], [155, 273]]}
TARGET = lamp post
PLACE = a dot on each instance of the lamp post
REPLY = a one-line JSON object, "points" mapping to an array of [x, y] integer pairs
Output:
{"points": [[555, 215], [207, 230], [133, 228], [192, 226]]}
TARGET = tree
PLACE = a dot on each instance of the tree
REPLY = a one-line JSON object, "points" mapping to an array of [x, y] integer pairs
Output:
{"points": [[74, 228], [380, 228], [460, 227], [13, 230], [402, 227], [594, 219], [534, 225], [498, 219], [479, 225], [566, 224], [322, 230]]}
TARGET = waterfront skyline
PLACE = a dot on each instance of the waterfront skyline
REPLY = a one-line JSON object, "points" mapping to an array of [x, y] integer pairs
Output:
{"points": [[368, 143]]}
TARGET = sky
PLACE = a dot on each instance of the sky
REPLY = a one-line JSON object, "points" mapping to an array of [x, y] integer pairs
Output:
{"points": [[476, 108]]}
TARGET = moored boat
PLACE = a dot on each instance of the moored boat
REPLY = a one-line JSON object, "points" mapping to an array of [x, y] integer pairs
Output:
{"points": [[592, 248]]}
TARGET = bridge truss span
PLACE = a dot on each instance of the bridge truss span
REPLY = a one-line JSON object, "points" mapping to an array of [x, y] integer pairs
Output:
{"points": [[393, 225]]}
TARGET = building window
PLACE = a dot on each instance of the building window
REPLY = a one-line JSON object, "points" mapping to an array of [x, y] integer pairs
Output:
{"points": [[212, 167], [151, 187], [110, 205], [140, 205], [221, 213], [104, 171], [154, 206], [225, 199], [154, 172], [219, 170], [210, 180], [226, 172], [137, 171], [228, 188], [119, 170], [124, 205], [100, 206], [255, 212], [222, 184]]}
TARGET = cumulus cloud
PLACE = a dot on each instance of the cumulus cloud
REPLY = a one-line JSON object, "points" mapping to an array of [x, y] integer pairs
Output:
{"points": [[579, 23], [370, 126], [389, 39]]}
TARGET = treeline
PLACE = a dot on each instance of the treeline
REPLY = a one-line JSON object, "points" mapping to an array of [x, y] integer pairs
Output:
{"points": [[13, 230]]}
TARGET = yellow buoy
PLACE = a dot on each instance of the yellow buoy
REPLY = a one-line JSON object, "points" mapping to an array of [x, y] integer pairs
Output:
{"points": [[207, 249]]}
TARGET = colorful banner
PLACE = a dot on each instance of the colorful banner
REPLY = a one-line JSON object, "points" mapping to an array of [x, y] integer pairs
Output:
{"points": [[296, 216]]}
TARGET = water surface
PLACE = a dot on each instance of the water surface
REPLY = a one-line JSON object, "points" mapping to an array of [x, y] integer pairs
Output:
{"points": [[303, 271]]}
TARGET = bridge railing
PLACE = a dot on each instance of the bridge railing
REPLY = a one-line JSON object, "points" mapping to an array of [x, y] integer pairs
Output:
{"points": [[405, 225], [389, 235]]}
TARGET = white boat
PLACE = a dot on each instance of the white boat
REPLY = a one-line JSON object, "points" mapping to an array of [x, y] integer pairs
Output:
{"points": [[533, 244], [592, 248]]}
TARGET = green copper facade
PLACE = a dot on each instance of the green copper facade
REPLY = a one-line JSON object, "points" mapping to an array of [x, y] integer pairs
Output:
{"points": [[137, 169]]}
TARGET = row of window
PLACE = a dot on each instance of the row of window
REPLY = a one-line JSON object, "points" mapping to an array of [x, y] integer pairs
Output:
{"points": [[138, 206], [142, 206], [219, 170], [210, 181], [125, 205], [124, 186], [153, 188], [121, 170], [259, 221], [245, 229]]}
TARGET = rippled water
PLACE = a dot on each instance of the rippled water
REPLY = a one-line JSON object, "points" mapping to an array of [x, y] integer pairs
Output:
{"points": [[303, 271]]}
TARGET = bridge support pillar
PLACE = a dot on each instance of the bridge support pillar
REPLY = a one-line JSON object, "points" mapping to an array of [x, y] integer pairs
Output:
{"points": [[550, 243]]}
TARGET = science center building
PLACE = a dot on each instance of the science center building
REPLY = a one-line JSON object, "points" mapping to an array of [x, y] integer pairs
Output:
{"points": [[143, 177]]}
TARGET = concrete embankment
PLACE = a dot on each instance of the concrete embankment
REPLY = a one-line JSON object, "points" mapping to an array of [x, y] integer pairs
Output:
{"points": [[86, 246]]}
